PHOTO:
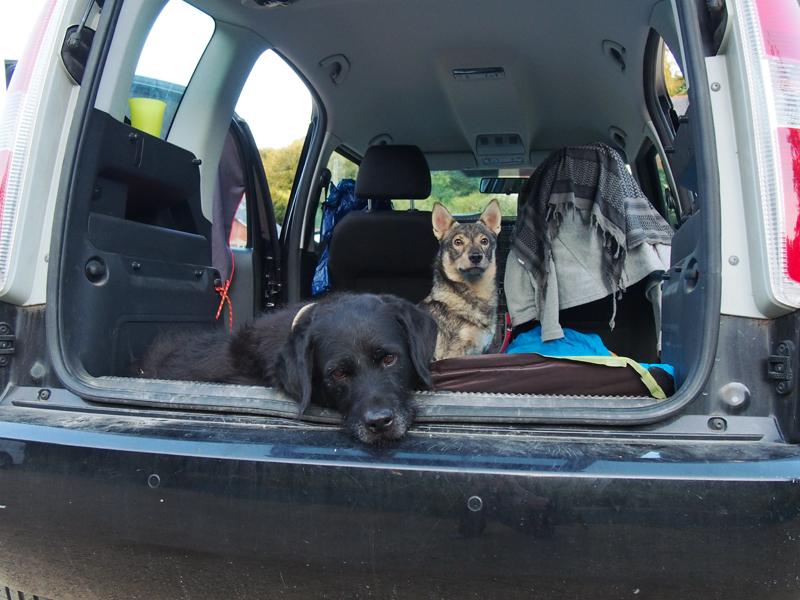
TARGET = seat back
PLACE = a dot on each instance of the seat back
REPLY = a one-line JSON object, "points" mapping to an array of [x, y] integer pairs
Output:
{"points": [[386, 252]]}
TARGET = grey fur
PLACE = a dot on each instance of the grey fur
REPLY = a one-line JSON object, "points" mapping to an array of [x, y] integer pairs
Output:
{"points": [[463, 300]]}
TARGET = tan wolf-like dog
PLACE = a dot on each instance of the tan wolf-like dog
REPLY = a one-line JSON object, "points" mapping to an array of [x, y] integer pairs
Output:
{"points": [[464, 296]]}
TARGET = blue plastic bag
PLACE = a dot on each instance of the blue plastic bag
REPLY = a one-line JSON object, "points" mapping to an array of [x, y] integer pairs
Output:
{"points": [[341, 201]]}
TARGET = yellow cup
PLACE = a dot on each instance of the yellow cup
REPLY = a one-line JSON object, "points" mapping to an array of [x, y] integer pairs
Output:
{"points": [[147, 114]]}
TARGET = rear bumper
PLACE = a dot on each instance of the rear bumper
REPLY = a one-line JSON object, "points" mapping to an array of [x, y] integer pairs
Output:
{"points": [[118, 503]]}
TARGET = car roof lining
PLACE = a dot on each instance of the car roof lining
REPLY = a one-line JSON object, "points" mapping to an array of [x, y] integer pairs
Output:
{"points": [[555, 68]]}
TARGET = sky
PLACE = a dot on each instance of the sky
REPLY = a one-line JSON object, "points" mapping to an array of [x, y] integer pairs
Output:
{"points": [[276, 119]]}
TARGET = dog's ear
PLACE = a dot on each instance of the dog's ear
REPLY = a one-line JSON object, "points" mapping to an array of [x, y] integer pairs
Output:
{"points": [[294, 365], [306, 310], [442, 220], [421, 330], [491, 217]]}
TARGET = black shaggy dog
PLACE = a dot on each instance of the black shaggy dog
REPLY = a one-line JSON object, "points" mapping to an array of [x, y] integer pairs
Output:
{"points": [[359, 354]]}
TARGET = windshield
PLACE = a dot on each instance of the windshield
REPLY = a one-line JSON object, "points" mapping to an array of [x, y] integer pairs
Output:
{"points": [[460, 192]]}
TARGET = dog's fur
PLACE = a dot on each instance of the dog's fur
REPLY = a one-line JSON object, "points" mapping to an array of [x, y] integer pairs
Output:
{"points": [[359, 354], [463, 299]]}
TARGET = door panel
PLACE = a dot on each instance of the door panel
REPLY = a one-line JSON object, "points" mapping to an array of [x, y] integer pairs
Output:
{"points": [[136, 256]]}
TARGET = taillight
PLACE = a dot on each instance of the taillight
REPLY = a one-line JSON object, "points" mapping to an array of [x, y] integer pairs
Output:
{"points": [[17, 123], [771, 36]]}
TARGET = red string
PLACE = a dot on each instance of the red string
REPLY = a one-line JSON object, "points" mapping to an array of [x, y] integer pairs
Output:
{"points": [[507, 336], [223, 291]]}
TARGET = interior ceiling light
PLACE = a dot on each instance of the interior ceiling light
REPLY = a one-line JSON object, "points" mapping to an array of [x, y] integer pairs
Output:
{"points": [[266, 3], [479, 73]]}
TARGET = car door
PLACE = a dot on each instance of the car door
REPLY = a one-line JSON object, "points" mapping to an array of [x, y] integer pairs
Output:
{"points": [[243, 207]]}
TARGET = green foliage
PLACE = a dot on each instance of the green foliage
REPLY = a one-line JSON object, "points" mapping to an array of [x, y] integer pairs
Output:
{"points": [[471, 204], [674, 79], [459, 193], [341, 168], [280, 165], [676, 85], [446, 186]]}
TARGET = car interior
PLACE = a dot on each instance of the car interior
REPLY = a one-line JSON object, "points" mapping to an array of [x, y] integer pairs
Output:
{"points": [[402, 91]]}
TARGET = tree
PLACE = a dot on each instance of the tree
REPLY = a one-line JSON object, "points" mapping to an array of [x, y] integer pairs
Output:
{"points": [[673, 77], [280, 165]]}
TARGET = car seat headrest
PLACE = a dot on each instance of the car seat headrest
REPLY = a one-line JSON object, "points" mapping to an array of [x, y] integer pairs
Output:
{"points": [[393, 172]]}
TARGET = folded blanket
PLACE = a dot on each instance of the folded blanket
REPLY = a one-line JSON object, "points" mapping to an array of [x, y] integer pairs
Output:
{"points": [[588, 347]]}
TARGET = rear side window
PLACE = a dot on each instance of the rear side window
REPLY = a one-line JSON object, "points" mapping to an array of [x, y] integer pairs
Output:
{"points": [[675, 82], [340, 167], [168, 60], [665, 174], [665, 195]]}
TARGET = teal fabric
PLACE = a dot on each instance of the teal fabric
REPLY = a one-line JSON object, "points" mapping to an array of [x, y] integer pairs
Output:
{"points": [[573, 343]]}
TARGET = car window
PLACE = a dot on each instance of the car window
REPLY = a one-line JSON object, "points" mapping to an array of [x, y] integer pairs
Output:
{"points": [[666, 196], [675, 82], [341, 168], [238, 237], [169, 57], [277, 107], [459, 192]]}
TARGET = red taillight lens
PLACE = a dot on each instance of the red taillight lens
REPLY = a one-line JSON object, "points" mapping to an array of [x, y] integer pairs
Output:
{"points": [[789, 144], [780, 28], [771, 41]]}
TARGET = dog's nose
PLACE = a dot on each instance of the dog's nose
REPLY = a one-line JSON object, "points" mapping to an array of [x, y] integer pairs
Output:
{"points": [[379, 419], [475, 257]]}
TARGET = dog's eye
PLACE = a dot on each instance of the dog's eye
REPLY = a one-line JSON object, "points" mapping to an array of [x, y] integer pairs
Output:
{"points": [[458, 242], [389, 359], [485, 241], [339, 373]]}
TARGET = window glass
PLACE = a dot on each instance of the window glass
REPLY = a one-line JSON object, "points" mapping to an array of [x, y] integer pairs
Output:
{"points": [[169, 57], [238, 237], [340, 167], [666, 194], [459, 192], [277, 107], [675, 82]]}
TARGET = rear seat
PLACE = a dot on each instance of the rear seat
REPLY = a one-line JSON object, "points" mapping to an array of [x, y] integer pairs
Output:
{"points": [[392, 252], [587, 233]]}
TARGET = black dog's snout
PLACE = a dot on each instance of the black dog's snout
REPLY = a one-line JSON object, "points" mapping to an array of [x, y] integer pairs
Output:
{"points": [[475, 257], [379, 419]]}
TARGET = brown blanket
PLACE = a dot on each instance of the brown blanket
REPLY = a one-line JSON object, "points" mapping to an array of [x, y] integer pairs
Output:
{"points": [[537, 374]]}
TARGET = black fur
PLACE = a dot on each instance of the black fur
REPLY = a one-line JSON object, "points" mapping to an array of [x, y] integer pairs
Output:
{"points": [[359, 354]]}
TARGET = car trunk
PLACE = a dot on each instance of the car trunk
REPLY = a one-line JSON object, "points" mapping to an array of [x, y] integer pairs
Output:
{"points": [[131, 258]]}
